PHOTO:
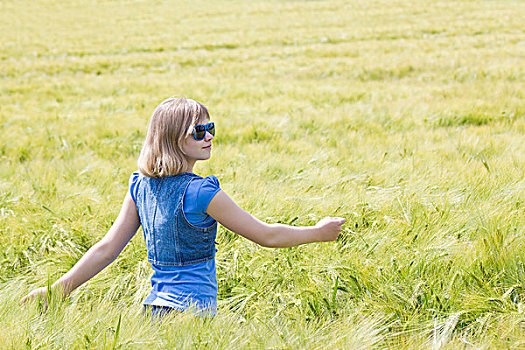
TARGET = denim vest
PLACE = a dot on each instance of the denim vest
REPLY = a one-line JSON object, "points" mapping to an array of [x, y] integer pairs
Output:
{"points": [[170, 239]]}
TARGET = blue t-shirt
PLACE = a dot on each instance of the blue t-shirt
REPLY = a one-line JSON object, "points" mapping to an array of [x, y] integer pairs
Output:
{"points": [[180, 287]]}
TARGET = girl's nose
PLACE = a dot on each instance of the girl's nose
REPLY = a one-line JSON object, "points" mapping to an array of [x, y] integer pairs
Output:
{"points": [[208, 136]]}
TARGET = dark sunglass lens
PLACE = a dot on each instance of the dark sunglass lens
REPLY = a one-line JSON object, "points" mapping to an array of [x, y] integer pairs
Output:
{"points": [[200, 132], [211, 128]]}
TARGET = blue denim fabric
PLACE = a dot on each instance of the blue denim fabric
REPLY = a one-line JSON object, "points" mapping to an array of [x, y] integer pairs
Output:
{"points": [[170, 239]]}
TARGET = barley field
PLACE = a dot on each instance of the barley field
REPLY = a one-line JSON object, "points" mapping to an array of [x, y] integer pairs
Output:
{"points": [[405, 117]]}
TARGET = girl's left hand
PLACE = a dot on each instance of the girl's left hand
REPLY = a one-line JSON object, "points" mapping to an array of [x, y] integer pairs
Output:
{"points": [[329, 228]]}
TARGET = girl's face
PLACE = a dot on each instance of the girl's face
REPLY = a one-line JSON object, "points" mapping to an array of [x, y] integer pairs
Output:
{"points": [[197, 150]]}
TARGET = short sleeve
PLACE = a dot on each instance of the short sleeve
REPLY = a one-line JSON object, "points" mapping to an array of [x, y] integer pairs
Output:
{"points": [[134, 180], [208, 190], [198, 196]]}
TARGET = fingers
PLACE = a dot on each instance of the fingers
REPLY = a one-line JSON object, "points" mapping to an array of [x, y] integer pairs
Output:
{"points": [[338, 220], [39, 293], [330, 228], [25, 299], [341, 220]]}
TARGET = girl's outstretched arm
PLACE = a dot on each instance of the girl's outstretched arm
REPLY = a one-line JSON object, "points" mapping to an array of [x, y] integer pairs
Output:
{"points": [[100, 255], [223, 209]]}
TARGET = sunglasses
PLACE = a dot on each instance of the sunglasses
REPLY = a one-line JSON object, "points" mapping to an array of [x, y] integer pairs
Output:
{"points": [[199, 131]]}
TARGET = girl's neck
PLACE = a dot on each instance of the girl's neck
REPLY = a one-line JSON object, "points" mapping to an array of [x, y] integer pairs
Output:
{"points": [[189, 168]]}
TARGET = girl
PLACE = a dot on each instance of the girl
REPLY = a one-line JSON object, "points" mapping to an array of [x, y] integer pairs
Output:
{"points": [[178, 211]]}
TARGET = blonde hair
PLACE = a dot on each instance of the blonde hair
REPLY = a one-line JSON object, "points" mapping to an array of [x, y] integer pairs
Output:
{"points": [[171, 122]]}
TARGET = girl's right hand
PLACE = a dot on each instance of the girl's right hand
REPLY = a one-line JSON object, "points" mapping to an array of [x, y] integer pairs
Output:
{"points": [[329, 228], [39, 293]]}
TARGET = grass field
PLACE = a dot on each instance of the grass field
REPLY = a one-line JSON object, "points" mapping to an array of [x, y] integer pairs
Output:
{"points": [[405, 117]]}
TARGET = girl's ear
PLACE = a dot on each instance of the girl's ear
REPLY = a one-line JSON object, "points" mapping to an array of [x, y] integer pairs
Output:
{"points": [[182, 144]]}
